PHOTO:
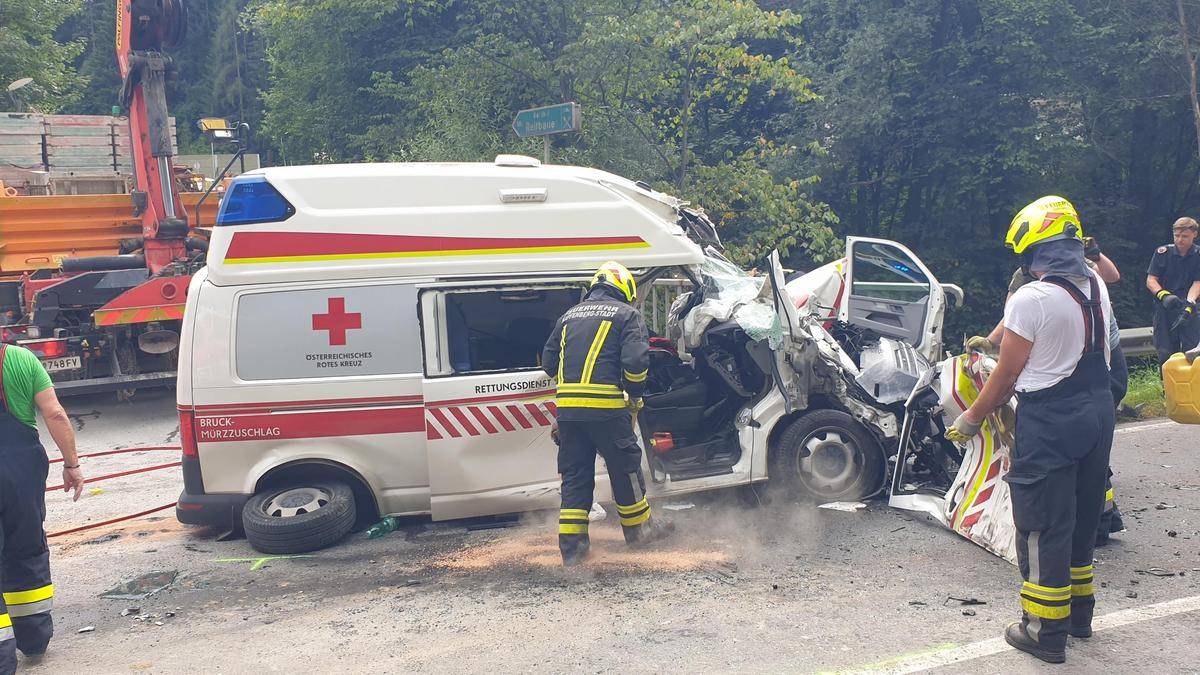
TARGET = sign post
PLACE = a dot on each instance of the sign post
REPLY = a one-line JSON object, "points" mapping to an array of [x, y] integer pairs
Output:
{"points": [[547, 121]]}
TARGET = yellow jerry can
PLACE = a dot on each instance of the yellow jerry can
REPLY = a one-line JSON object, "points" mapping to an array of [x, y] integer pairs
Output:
{"points": [[1181, 382]]}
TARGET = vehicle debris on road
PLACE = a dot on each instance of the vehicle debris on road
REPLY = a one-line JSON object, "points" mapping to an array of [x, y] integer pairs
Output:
{"points": [[848, 507], [142, 586], [965, 601], [1156, 572]]}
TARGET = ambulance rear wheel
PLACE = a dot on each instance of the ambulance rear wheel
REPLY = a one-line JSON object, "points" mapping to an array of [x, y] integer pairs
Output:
{"points": [[829, 456], [299, 518]]}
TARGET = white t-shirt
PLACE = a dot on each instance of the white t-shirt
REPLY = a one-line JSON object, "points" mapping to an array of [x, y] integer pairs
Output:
{"points": [[1049, 317]]}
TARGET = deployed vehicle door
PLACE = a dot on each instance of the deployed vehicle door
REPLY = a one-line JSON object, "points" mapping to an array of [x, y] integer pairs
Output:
{"points": [[488, 404], [891, 292]]}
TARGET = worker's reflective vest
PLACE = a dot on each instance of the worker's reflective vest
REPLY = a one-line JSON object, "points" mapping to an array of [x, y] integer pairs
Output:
{"points": [[598, 351]]}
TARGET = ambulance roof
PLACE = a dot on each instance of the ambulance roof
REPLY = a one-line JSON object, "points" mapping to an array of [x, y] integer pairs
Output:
{"points": [[513, 216]]}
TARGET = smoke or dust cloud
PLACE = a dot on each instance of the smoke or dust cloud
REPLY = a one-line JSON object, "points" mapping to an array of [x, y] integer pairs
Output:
{"points": [[719, 528]]}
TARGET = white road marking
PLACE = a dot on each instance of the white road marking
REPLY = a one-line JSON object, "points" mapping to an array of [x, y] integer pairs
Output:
{"points": [[945, 656], [1144, 427]]}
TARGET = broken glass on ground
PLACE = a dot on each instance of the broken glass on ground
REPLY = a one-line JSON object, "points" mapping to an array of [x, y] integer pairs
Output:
{"points": [[142, 586]]}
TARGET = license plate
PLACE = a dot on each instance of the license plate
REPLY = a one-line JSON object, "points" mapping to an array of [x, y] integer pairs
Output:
{"points": [[63, 363]]}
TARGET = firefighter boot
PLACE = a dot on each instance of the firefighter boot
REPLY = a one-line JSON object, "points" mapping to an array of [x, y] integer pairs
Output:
{"points": [[574, 549], [1016, 636], [653, 530]]}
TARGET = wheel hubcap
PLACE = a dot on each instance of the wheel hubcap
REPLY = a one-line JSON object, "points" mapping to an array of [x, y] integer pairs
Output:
{"points": [[296, 502], [830, 462]]}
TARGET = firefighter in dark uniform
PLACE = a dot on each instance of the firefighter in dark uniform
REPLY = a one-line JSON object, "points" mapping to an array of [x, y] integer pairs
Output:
{"points": [[1054, 354], [599, 355], [1174, 279], [25, 622]]}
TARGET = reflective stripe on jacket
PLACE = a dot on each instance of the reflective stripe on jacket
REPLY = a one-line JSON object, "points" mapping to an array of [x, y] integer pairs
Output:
{"points": [[598, 349]]}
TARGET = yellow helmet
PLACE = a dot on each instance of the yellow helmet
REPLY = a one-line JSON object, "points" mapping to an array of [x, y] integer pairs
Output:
{"points": [[1048, 219], [615, 275]]}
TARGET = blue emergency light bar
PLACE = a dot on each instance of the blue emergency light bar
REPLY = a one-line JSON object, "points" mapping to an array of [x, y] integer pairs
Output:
{"points": [[251, 199]]}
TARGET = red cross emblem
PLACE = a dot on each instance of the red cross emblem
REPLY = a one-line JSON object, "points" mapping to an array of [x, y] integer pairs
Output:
{"points": [[337, 321]]}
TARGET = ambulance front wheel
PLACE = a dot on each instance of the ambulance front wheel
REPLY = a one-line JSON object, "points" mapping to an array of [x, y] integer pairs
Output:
{"points": [[299, 518], [829, 456]]}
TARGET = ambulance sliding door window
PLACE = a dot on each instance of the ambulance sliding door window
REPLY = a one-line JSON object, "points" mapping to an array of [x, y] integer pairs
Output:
{"points": [[496, 329]]}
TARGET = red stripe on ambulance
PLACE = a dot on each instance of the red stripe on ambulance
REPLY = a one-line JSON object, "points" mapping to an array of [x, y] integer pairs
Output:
{"points": [[315, 424]]}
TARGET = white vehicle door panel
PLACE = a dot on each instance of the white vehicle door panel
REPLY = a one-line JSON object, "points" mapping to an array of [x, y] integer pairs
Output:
{"points": [[890, 291], [488, 433]]}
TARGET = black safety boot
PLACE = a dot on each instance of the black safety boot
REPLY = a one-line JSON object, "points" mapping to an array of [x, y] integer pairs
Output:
{"points": [[1080, 631], [575, 552], [652, 531], [1016, 636]]}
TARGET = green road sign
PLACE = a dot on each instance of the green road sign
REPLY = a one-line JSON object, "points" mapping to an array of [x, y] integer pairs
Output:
{"points": [[547, 120]]}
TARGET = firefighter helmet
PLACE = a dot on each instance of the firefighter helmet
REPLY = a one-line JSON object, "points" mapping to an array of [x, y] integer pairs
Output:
{"points": [[616, 276], [1048, 219]]}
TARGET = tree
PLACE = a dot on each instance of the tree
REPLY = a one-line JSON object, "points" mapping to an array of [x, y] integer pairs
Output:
{"points": [[28, 49], [674, 93]]}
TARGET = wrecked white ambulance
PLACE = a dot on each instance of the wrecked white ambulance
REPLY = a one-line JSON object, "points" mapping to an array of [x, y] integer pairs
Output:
{"points": [[365, 340]]}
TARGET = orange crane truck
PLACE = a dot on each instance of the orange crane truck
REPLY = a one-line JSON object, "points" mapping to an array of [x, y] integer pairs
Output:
{"points": [[95, 285]]}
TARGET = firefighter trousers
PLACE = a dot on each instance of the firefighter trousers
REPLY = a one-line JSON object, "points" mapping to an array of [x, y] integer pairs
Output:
{"points": [[25, 621], [1118, 383], [614, 439], [1057, 477]]}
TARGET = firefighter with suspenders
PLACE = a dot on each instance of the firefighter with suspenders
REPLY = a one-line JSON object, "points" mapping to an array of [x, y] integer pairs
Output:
{"points": [[599, 355], [25, 622], [1054, 353]]}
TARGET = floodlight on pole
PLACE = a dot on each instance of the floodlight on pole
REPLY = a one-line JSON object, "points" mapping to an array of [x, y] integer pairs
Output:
{"points": [[14, 87]]}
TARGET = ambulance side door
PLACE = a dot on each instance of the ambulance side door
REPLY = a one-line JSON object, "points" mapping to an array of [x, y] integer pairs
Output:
{"points": [[488, 404], [891, 292]]}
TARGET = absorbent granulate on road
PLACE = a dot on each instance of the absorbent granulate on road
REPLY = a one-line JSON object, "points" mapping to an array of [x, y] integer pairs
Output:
{"points": [[540, 549]]}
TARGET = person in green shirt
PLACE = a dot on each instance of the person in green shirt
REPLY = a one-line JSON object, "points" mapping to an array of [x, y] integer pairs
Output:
{"points": [[28, 594]]}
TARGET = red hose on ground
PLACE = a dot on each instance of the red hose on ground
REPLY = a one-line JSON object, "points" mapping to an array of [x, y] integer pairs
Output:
{"points": [[149, 448], [122, 473], [110, 522]]}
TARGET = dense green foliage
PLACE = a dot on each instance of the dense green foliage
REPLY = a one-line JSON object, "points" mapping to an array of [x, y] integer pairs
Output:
{"points": [[792, 122], [28, 48]]}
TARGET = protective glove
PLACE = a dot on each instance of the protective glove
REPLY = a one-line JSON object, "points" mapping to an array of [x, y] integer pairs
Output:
{"points": [[1091, 249], [1170, 301], [979, 343], [634, 405], [963, 430], [554, 432]]}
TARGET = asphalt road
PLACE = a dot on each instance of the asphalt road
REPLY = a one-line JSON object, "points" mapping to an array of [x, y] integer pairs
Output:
{"points": [[780, 587]]}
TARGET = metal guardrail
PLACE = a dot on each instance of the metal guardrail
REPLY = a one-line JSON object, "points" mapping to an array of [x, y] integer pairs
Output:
{"points": [[657, 305], [1137, 341]]}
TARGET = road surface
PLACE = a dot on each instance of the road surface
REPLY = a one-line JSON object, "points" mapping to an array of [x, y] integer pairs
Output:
{"points": [[779, 587]]}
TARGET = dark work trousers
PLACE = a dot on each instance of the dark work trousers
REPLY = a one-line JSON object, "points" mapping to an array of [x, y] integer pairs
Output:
{"points": [[1064, 435], [25, 621], [1118, 382], [579, 441], [1167, 341]]}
